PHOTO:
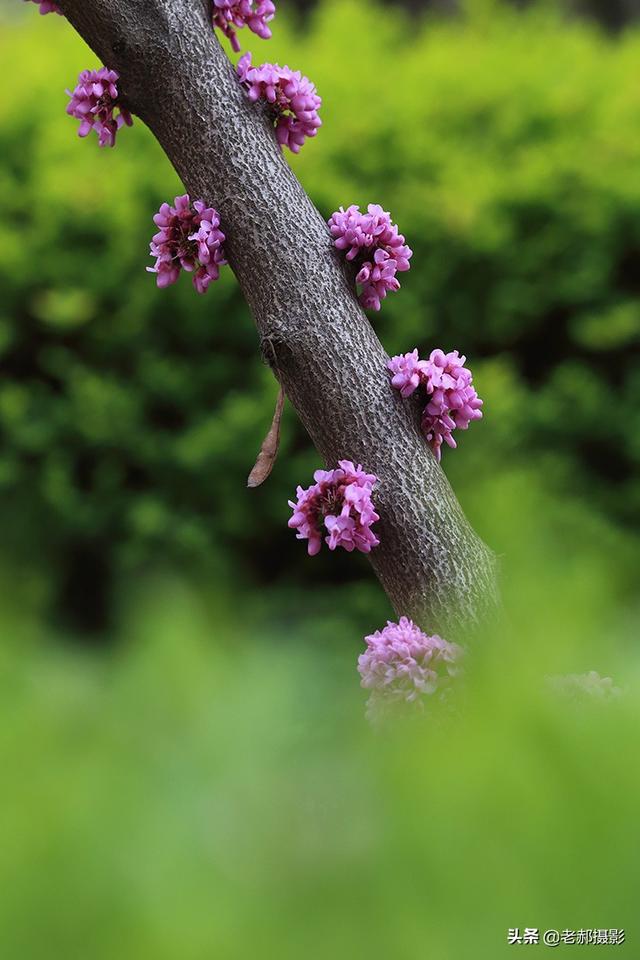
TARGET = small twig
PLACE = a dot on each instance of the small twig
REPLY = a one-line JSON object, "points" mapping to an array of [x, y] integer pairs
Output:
{"points": [[269, 449]]}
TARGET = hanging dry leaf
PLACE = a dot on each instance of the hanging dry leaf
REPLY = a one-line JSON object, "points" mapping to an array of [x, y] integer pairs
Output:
{"points": [[269, 449]]}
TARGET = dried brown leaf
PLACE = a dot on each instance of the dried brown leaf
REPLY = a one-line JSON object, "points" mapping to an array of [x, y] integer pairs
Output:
{"points": [[269, 449]]}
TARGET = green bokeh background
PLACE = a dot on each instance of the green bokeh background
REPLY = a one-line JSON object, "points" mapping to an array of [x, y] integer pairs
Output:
{"points": [[187, 772]]}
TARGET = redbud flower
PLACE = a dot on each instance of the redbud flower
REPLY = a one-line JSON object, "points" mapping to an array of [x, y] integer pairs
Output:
{"points": [[452, 402], [48, 6], [292, 96], [379, 251], [231, 14], [408, 372], [94, 102], [339, 505], [402, 665], [190, 239]]}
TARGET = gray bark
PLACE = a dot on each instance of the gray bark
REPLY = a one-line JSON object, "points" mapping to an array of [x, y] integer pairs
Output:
{"points": [[179, 81]]}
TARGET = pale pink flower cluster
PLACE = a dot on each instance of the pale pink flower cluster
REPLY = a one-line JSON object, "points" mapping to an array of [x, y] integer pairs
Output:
{"points": [[94, 102], [338, 506], [402, 664], [452, 401], [189, 239], [584, 686], [372, 241], [232, 15], [292, 96]]}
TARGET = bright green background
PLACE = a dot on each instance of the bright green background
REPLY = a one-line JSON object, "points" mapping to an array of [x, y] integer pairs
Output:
{"points": [[202, 784]]}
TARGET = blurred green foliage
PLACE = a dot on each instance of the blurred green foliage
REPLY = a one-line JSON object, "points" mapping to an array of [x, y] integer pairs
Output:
{"points": [[208, 786], [507, 147]]}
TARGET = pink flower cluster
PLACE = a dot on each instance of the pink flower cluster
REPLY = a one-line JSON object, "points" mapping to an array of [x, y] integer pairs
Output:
{"points": [[401, 664], [94, 102], [452, 402], [379, 251], [293, 98], [229, 15], [339, 505], [48, 6], [189, 239]]}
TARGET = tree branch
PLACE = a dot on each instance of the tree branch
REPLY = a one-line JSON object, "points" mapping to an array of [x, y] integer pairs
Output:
{"points": [[179, 81]]}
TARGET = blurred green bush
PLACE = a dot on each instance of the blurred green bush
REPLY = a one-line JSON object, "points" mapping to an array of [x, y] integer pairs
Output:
{"points": [[208, 788], [507, 147]]}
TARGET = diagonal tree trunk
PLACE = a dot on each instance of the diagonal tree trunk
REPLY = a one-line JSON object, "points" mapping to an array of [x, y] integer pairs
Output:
{"points": [[320, 344]]}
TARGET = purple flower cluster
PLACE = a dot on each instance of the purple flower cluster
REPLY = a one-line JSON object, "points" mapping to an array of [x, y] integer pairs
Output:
{"points": [[189, 239], [94, 102], [48, 6], [292, 96], [339, 505], [379, 251], [452, 402], [401, 664], [229, 15]]}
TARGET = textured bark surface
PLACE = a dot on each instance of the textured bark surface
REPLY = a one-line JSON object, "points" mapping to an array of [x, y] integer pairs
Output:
{"points": [[180, 82]]}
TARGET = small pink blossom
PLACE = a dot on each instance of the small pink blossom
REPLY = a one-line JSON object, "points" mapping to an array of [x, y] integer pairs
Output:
{"points": [[48, 6], [94, 102], [339, 506], [452, 401], [379, 251], [189, 239], [408, 372], [292, 97], [230, 15], [401, 665]]}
